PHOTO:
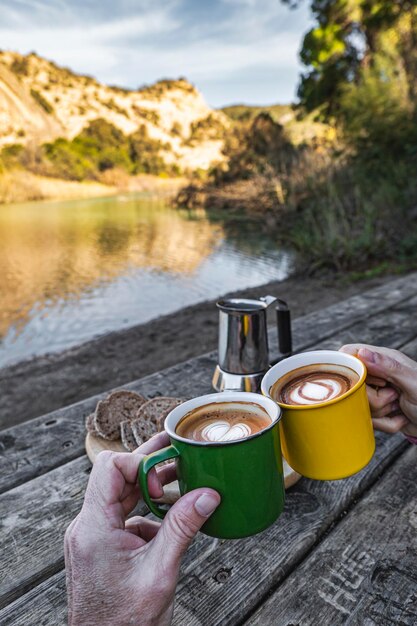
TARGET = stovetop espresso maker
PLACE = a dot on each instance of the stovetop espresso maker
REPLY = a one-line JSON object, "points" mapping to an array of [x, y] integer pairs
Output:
{"points": [[243, 342]]}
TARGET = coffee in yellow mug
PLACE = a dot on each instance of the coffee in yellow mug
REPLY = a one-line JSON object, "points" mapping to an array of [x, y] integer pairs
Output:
{"points": [[326, 427]]}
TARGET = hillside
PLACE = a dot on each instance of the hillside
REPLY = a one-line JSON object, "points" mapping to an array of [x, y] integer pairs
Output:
{"points": [[40, 102]]}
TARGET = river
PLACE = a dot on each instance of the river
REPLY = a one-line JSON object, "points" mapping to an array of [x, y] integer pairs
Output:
{"points": [[73, 270]]}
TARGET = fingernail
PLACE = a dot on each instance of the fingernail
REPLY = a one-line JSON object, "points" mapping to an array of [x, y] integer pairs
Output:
{"points": [[206, 504], [368, 355]]}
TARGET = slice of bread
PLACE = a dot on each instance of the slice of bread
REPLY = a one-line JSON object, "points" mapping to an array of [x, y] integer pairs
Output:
{"points": [[117, 407], [143, 430], [155, 410], [89, 424], [127, 436]]}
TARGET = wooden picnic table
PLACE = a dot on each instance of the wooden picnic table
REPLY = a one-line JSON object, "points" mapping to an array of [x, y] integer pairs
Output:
{"points": [[343, 552]]}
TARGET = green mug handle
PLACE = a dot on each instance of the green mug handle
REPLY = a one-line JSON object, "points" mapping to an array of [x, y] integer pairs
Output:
{"points": [[145, 466]]}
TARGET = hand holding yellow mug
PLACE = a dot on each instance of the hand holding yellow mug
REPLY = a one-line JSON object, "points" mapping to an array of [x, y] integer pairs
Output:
{"points": [[326, 427]]}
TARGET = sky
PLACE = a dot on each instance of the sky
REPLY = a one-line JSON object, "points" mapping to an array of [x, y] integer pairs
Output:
{"points": [[234, 51]]}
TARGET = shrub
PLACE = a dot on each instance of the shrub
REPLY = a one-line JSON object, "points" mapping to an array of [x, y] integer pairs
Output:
{"points": [[340, 218], [110, 104], [20, 66], [145, 153], [255, 148], [68, 161], [11, 155], [41, 101], [209, 127], [149, 115]]}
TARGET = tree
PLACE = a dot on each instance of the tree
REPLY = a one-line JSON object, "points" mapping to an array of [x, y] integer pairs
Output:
{"points": [[346, 40]]}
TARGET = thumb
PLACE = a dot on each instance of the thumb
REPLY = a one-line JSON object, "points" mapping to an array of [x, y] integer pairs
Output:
{"points": [[182, 523], [388, 368]]}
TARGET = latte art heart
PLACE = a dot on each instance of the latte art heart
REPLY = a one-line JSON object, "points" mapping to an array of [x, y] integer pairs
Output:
{"points": [[319, 390], [223, 431], [223, 422], [313, 384]]}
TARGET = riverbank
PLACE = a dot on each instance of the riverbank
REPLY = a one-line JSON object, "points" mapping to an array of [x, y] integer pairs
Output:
{"points": [[23, 186], [40, 385]]}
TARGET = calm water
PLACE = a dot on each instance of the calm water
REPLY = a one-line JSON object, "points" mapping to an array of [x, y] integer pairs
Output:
{"points": [[70, 271]]}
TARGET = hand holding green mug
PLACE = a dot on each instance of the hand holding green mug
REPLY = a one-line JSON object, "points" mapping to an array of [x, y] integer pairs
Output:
{"points": [[229, 442]]}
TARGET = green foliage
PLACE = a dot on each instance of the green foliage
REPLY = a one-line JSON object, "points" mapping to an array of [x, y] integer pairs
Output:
{"points": [[378, 119], [344, 42], [343, 220], [145, 153], [68, 162], [41, 101], [100, 147]]}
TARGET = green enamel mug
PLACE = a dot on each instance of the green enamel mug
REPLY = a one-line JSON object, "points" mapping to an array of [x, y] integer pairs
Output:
{"points": [[247, 472]]}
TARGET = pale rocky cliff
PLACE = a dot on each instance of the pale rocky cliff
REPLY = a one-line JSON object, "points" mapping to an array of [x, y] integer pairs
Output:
{"points": [[40, 101]]}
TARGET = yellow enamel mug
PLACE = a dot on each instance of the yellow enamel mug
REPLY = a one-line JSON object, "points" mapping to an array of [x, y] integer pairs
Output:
{"points": [[327, 440]]}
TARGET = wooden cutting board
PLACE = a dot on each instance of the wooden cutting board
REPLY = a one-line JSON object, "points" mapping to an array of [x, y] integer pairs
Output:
{"points": [[95, 445]]}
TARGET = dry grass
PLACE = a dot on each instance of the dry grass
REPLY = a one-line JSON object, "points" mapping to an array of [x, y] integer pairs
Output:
{"points": [[20, 186]]}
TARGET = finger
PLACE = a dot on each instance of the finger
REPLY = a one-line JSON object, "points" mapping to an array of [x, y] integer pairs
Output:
{"points": [[158, 441], [353, 349], [381, 397], [377, 382], [155, 487], [389, 410], [389, 368], [111, 471], [182, 523], [167, 473], [350, 348], [131, 499], [390, 425], [127, 464], [142, 527], [410, 430]]}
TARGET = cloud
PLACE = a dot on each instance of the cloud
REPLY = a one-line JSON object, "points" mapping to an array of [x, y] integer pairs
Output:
{"points": [[224, 46]]}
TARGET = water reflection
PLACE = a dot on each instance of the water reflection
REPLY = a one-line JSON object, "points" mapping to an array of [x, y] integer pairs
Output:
{"points": [[72, 270]]}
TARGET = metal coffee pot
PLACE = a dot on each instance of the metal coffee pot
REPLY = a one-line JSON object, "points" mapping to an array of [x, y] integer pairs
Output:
{"points": [[243, 342]]}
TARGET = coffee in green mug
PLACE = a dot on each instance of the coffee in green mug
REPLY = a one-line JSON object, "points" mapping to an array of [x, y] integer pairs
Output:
{"points": [[229, 442]]}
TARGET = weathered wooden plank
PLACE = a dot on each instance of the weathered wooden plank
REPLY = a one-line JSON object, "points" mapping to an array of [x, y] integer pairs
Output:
{"points": [[72, 470], [339, 316], [33, 519], [71, 515], [28, 450], [238, 575], [221, 582], [365, 571], [45, 605], [392, 328], [33, 448]]}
